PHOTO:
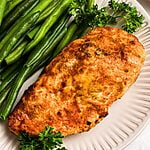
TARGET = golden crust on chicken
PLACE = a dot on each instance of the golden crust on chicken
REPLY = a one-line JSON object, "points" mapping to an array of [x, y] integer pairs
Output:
{"points": [[78, 86]]}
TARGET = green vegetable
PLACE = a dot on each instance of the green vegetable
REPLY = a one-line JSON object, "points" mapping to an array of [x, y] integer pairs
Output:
{"points": [[66, 39], [2, 68], [2, 35], [22, 29], [39, 8], [48, 53], [8, 80], [19, 10], [47, 57], [49, 22], [10, 69], [4, 93], [16, 54], [32, 33], [127, 15], [28, 11], [78, 10], [7, 105], [11, 5], [18, 43], [90, 16], [119, 14], [46, 43], [2, 9], [52, 6], [46, 140]]}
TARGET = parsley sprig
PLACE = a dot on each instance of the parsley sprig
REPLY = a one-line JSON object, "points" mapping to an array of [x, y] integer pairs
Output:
{"points": [[122, 15], [46, 140]]}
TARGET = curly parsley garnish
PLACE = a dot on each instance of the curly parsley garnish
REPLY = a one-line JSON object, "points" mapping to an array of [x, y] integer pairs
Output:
{"points": [[122, 15], [46, 140]]}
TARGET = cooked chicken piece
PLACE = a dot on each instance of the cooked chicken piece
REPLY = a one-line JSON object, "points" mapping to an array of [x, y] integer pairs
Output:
{"points": [[76, 89]]}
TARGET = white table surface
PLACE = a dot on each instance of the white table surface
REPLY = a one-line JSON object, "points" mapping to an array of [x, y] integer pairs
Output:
{"points": [[142, 142]]}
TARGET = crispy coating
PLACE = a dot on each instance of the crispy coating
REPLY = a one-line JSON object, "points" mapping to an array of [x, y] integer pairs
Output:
{"points": [[76, 89]]}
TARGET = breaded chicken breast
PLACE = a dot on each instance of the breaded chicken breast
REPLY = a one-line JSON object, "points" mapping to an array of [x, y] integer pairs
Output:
{"points": [[78, 86]]}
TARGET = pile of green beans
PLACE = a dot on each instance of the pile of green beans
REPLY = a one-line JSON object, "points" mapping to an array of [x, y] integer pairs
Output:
{"points": [[32, 33], [16, 13]]}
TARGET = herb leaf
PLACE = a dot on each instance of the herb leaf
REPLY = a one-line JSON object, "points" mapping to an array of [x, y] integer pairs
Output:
{"points": [[46, 140], [119, 14]]}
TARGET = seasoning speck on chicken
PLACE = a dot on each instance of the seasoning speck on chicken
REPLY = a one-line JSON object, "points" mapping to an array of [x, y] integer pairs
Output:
{"points": [[78, 86]]}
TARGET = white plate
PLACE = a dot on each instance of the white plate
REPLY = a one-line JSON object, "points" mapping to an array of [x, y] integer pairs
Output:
{"points": [[145, 4], [127, 117]]}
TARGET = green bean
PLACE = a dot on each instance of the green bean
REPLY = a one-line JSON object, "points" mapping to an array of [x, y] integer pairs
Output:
{"points": [[22, 29], [67, 38], [25, 14], [39, 50], [10, 69], [7, 105], [49, 10], [48, 53], [44, 15], [46, 42], [33, 32], [22, 39], [11, 5], [2, 9], [39, 8], [4, 94], [23, 75], [49, 22], [2, 69], [16, 54], [19, 10], [9, 79], [2, 35]]}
